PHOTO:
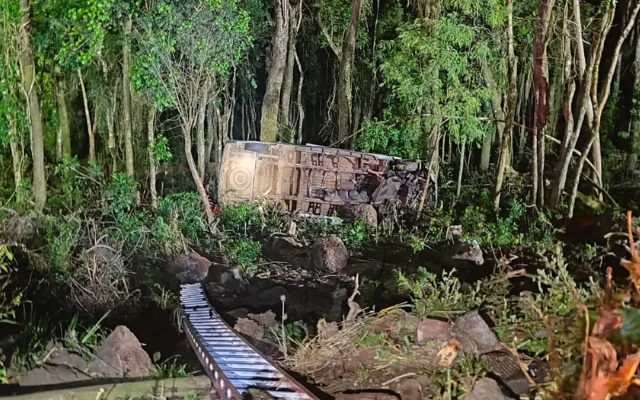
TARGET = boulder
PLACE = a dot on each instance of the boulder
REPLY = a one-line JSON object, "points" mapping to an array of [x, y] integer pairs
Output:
{"points": [[266, 319], [408, 389], [249, 327], [329, 254], [62, 356], [475, 336], [469, 251], [365, 212], [51, 375], [486, 388], [432, 329], [397, 325], [189, 268], [122, 351], [233, 280]]}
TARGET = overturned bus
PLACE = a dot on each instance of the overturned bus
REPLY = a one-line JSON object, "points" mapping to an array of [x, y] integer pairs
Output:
{"points": [[315, 179]]}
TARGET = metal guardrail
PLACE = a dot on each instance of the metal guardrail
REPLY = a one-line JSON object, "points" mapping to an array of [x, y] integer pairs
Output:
{"points": [[233, 365]]}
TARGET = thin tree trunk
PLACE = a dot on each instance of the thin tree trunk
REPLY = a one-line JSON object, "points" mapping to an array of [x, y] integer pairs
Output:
{"points": [[632, 156], [498, 114], [200, 134], [511, 106], [111, 141], [300, 105], [186, 135], [232, 106], [211, 135], [87, 114], [541, 90], [344, 73], [63, 141], [576, 181], [28, 77], [271, 100], [242, 119], [126, 98], [600, 103], [151, 116], [433, 160], [522, 128], [16, 156], [460, 168]]}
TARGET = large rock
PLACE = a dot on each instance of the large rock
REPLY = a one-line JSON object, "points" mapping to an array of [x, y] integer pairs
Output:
{"points": [[432, 329], [485, 389], [475, 336], [329, 254], [189, 268], [365, 212], [408, 389], [51, 375], [122, 351], [397, 325], [469, 250]]}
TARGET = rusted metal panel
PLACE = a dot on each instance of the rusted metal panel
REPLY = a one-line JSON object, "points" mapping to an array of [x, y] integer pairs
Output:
{"points": [[309, 178]]}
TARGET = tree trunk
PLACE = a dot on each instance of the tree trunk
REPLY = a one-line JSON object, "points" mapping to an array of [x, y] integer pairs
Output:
{"points": [[63, 141], [523, 131], [110, 118], [271, 100], [433, 161], [126, 98], [17, 156], [599, 103], [200, 134], [511, 107], [460, 168], [28, 78], [344, 74], [632, 156], [299, 101], [287, 86], [186, 135], [211, 133], [498, 114], [87, 114], [541, 90], [151, 116]]}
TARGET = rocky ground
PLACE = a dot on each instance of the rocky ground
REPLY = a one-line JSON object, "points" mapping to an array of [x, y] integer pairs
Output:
{"points": [[358, 327]]}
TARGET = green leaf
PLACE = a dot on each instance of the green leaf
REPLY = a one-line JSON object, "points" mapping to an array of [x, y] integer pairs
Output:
{"points": [[630, 322]]}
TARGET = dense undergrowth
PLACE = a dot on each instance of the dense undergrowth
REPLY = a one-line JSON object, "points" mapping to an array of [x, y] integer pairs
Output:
{"points": [[97, 251]]}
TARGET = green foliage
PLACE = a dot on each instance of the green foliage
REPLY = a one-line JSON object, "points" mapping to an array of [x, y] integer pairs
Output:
{"points": [[84, 340], [8, 301], [630, 322], [182, 44], [161, 151], [36, 333], [164, 298], [120, 194], [431, 294], [239, 217], [242, 251], [61, 236], [169, 368], [434, 80], [378, 137]]}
